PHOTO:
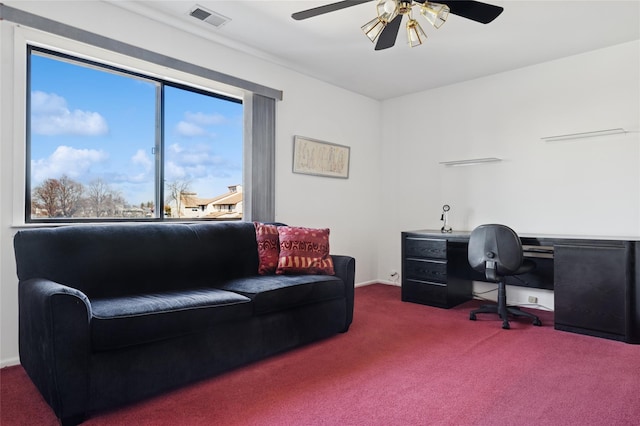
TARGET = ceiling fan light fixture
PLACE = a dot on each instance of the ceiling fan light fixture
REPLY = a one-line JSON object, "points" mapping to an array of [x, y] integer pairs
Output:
{"points": [[387, 10], [415, 34], [373, 28], [435, 13], [391, 13]]}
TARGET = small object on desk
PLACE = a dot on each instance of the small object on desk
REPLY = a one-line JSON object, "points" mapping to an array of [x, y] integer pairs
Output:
{"points": [[445, 219]]}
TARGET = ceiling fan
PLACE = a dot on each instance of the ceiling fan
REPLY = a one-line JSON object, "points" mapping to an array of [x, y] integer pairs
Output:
{"points": [[383, 29]]}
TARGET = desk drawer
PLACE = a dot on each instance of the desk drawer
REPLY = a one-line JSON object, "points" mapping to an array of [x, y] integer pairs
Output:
{"points": [[426, 270], [424, 292], [425, 247]]}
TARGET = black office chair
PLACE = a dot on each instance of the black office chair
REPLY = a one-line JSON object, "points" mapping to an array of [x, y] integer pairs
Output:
{"points": [[496, 251]]}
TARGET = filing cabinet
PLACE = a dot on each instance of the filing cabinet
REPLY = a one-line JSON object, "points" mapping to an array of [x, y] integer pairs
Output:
{"points": [[425, 277]]}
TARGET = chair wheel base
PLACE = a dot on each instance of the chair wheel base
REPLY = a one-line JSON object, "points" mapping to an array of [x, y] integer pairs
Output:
{"points": [[509, 311]]}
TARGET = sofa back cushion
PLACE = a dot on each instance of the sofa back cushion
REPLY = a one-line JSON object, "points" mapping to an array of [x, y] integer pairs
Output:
{"points": [[120, 259]]}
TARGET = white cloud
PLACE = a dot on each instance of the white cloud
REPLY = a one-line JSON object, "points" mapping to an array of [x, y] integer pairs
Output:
{"points": [[175, 148], [188, 129], [66, 160], [196, 124], [196, 158], [194, 162], [139, 178], [142, 172], [141, 158], [50, 115], [173, 171], [205, 119], [193, 155], [47, 103]]}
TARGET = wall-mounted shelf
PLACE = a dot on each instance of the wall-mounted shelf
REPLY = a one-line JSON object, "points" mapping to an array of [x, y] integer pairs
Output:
{"points": [[471, 162], [583, 135]]}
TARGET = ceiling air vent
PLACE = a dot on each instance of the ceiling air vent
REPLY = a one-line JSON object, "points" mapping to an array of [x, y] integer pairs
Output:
{"points": [[209, 16]]}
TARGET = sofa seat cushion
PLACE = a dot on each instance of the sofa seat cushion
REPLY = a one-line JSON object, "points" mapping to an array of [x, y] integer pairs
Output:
{"points": [[119, 322], [272, 293]]}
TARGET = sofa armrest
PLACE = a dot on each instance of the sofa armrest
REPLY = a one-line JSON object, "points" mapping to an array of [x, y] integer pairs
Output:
{"points": [[54, 344], [345, 269]]}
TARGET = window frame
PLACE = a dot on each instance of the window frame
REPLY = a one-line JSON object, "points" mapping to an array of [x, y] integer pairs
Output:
{"points": [[259, 102], [159, 160]]}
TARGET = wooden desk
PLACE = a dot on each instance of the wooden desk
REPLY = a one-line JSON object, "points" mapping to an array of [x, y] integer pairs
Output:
{"points": [[595, 280]]}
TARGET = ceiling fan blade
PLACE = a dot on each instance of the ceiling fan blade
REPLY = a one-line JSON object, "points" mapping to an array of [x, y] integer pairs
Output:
{"points": [[474, 10], [389, 35], [321, 10]]}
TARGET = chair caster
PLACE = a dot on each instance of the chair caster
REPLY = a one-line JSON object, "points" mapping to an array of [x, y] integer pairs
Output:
{"points": [[505, 325], [472, 316], [537, 322]]}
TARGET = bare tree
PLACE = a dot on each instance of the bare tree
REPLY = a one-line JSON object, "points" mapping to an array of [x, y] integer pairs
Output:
{"points": [[174, 191], [103, 200], [117, 203], [58, 197], [70, 195], [98, 193], [45, 197]]}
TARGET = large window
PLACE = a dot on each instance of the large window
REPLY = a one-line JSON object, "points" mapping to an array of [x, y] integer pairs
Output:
{"points": [[108, 144]]}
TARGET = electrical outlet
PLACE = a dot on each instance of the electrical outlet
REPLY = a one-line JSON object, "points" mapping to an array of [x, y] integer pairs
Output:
{"points": [[533, 299]]}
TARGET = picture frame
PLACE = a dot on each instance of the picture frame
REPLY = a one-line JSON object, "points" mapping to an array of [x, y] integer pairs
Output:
{"points": [[320, 158]]}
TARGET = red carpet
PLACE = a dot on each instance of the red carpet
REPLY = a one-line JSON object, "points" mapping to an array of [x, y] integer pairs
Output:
{"points": [[399, 364]]}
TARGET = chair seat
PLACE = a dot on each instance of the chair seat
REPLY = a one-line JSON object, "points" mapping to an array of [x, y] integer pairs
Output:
{"points": [[528, 265]]}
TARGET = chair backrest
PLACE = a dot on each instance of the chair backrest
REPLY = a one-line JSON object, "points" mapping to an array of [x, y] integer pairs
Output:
{"points": [[497, 247]]}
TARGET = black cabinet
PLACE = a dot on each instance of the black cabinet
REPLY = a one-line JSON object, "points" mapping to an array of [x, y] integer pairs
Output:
{"points": [[425, 273], [594, 285]]}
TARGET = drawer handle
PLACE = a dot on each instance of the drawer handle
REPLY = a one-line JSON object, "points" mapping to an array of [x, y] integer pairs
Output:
{"points": [[427, 282], [426, 239], [442, 262]]}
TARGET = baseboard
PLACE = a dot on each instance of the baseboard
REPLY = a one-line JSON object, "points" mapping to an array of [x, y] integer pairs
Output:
{"points": [[9, 362], [365, 283]]}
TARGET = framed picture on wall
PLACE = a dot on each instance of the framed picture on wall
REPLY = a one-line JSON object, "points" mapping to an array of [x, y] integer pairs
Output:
{"points": [[319, 158]]}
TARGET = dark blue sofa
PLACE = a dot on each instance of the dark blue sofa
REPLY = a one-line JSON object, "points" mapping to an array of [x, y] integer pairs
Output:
{"points": [[110, 314]]}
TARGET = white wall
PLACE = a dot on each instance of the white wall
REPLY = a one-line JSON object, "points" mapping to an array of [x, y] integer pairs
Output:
{"points": [[585, 187], [308, 108]]}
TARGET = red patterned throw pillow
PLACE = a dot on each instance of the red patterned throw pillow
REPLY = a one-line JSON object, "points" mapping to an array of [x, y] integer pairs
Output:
{"points": [[268, 248], [304, 251]]}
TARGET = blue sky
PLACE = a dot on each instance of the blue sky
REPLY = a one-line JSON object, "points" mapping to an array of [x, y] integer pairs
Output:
{"points": [[88, 124]]}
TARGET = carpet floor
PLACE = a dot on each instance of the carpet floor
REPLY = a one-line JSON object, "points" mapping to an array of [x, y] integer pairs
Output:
{"points": [[399, 364]]}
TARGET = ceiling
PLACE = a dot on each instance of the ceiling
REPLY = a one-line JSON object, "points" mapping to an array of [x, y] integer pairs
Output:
{"points": [[332, 47]]}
